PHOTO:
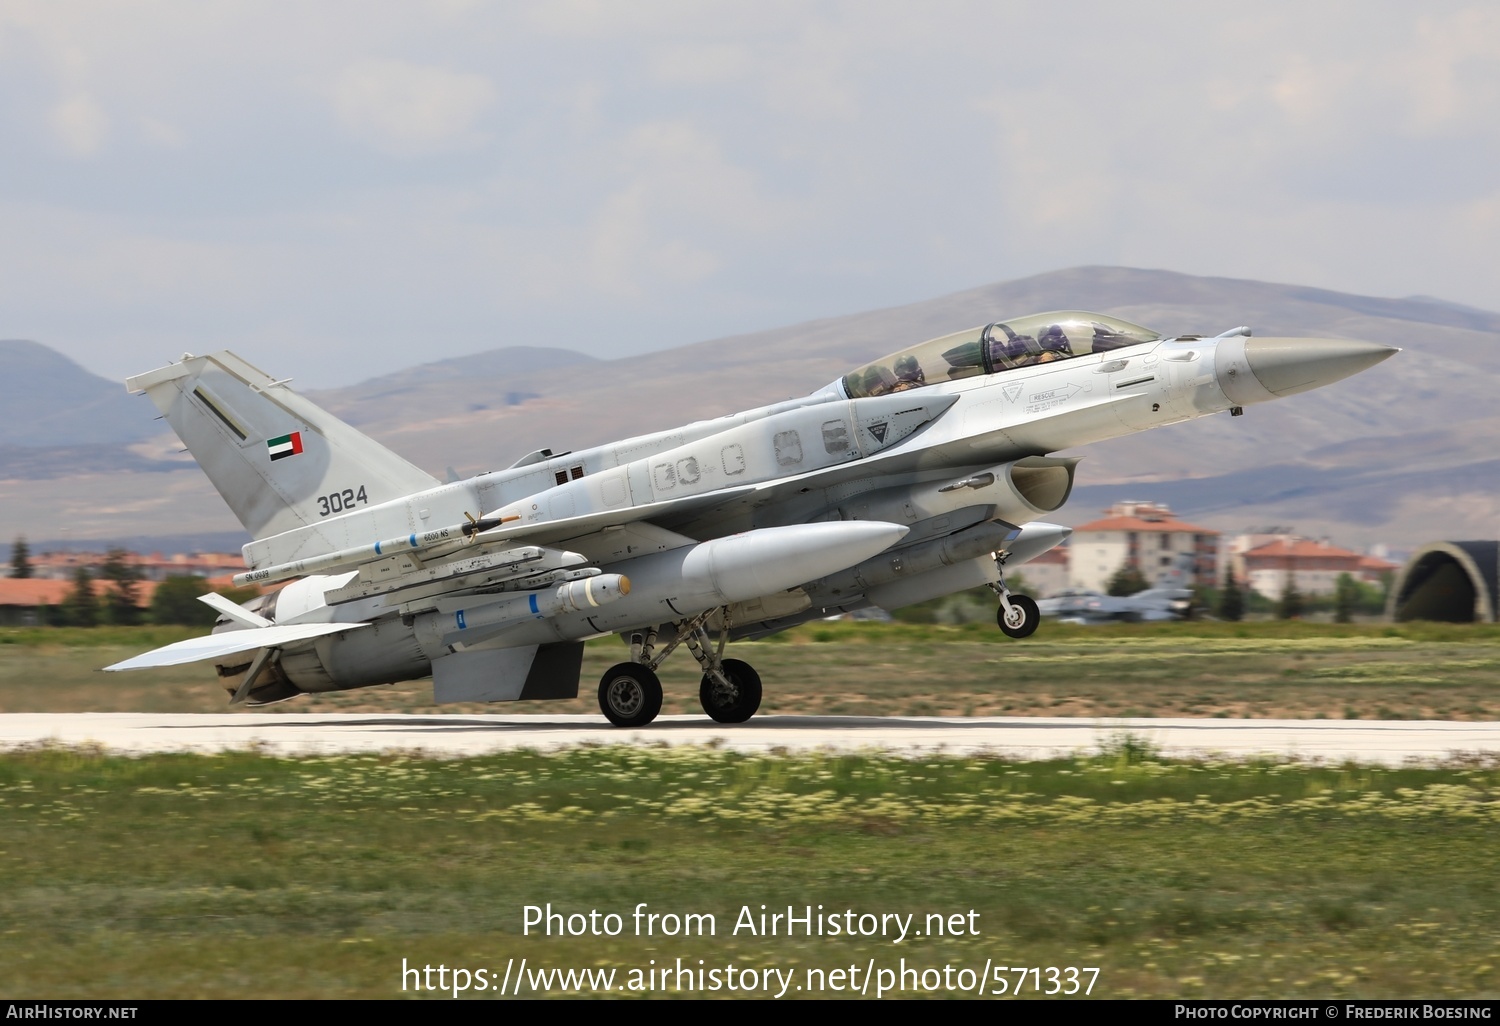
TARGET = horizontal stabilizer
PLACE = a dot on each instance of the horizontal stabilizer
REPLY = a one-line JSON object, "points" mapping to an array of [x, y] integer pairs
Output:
{"points": [[229, 642], [233, 610]]}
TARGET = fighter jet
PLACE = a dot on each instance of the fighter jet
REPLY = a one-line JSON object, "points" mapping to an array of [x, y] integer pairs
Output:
{"points": [[1088, 607], [1170, 598], [920, 474]]}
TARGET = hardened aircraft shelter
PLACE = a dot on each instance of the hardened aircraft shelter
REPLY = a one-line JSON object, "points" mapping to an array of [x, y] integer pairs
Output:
{"points": [[1456, 582]]}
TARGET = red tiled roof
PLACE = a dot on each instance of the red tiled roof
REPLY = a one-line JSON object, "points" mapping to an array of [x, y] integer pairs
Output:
{"points": [[38, 591], [1302, 548], [33, 592]]}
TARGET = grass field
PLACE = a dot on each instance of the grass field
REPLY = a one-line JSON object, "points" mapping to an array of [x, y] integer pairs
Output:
{"points": [[1299, 670], [242, 875], [247, 876]]}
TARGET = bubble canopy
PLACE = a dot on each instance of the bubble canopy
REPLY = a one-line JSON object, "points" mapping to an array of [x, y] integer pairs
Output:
{"points": [[994, 348]]}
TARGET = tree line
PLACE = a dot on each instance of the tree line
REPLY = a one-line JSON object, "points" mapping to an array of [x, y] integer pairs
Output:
{"points": [[175, 600], [1233, 600]]}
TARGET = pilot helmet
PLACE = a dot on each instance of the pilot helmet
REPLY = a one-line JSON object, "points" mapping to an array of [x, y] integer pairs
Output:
{"points": [[1053, 340]]}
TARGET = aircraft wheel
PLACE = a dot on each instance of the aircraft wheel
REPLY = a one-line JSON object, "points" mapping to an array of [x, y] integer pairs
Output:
{"points": [[736, 703], [630, 695], [1023, 620]]}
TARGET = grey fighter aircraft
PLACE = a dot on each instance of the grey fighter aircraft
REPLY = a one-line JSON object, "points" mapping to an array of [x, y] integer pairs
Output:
{"points": [[1086, 607], [915, 476], [1169, 599]]}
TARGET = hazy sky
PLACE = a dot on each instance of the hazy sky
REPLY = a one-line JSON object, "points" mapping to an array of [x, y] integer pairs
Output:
{"points": [[342, 189]]}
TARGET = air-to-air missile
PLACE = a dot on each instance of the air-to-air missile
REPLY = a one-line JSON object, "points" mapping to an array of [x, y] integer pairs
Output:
{"points": [[915, 476]]}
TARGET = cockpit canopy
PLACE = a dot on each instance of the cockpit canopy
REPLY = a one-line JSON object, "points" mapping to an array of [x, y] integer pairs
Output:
{"points": [[1002, 346]]}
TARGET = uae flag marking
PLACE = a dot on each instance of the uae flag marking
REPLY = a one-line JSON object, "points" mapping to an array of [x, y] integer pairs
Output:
{"points": [[286, 445]]}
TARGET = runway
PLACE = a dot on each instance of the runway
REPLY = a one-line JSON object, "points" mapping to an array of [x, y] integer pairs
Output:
{"points": [[1389, 742]]}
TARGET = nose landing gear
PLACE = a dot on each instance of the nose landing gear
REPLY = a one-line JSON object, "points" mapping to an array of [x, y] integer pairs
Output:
{"points": [[1021, 619], [1018, 616]]}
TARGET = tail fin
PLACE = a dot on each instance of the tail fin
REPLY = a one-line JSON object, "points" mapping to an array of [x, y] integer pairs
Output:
{"points": [[279, 461]]}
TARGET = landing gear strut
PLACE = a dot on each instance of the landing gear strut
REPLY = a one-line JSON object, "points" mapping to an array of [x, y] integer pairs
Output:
{"points": [[1018, 615], [630, 693]]}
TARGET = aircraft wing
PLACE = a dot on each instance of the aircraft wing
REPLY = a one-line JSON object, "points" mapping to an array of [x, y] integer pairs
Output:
{"points": [[230, 642]]}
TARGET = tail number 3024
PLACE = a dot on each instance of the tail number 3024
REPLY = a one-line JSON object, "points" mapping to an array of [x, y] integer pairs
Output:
{"points": [[338, 502]]}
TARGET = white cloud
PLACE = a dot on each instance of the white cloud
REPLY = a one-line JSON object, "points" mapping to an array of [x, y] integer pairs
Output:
{"points": [[407, 109], [80, 125], [162, 134], [1311, 91], [679, 167], [700, 63], [1452, 69], [682, 200]]}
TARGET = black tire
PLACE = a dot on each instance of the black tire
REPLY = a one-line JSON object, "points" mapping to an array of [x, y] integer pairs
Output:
{"points": [[630, 695], [737, 703], [1024, 619]]}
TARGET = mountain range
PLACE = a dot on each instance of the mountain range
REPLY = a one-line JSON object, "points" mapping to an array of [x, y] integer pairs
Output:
{"points": [[1401, 454]]}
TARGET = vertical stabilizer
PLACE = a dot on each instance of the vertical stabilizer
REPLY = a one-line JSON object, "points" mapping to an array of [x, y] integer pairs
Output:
{"points": [[279, 461]]}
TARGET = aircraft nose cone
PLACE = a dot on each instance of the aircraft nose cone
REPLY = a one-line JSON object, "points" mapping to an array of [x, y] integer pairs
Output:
{"points": [[1286, 366]]}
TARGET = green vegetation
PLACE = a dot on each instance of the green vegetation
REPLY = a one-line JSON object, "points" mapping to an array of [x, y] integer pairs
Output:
{"points": [[1290, 605], [120, 601], [176, 601], [174, 876], [1128, 580], [60, 639], [81, 607], [1345, 599], [20, 559], [1230, 604], [1291, 669], [1351, 597]]}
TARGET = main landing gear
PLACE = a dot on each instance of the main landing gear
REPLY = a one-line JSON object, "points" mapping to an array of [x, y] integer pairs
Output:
{"points": [[1018, 616], [733, 694], [630, 693]]}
